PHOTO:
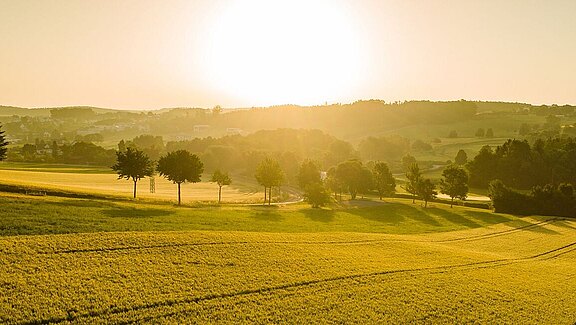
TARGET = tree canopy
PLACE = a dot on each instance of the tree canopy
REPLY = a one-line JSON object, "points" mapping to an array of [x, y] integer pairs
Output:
{"points": [[454, 183], [180, 167], [220, 178], [3, 144], [269, 174], [133, 164], [413, 175], [383, 180]]}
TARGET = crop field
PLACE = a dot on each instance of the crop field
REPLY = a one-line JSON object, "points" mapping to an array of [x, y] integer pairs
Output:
{"points": [[370, 262], [500, 274], [103, 181]]}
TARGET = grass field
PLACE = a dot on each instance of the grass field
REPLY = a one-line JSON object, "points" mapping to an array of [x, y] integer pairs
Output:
{"points": [[103, 181], [361, 262]]}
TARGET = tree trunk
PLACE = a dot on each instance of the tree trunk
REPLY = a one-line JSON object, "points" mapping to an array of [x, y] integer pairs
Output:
{"points": [[135, 188], [425, 203], [270, 195], [219, 194], [179, 194], [265, 193], [451, 202]]}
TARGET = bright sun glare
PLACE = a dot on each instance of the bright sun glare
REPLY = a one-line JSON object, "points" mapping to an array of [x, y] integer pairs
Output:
{"points": [[271, 52]]}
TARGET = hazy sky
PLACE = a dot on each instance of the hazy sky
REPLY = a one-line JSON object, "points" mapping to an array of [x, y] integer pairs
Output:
{"points": [[175, 53]]}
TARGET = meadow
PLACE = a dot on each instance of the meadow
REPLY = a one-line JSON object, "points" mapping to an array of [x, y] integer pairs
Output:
{"points": [[103, 181], [69, 260], [111, 259]]}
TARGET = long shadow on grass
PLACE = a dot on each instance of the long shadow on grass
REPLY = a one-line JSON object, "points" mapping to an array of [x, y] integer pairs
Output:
{"points": [[136, 213], [267, 213], [453, 217], [393, 213], [320, 215], [80, 203]]}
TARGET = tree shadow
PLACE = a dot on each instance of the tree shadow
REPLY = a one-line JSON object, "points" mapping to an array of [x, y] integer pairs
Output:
{"points": [[488, 217], [533, 227], [393, 213], [136, 213], [319, 214], [81, 203], [267, 213], [453, 217], [566, 224]]}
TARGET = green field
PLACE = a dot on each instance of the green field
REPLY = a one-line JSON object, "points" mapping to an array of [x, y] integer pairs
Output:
{"points": [[67, 260], [103, 181]]}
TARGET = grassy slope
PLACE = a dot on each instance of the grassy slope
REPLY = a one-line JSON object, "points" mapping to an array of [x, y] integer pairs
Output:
{"points": [[103, 181], [514, 272], [51, 215]]}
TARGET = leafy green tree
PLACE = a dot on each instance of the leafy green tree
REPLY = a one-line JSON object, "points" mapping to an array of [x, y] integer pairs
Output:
{"points": [[407, 161], [3, 144], [461, 157], [308, 174], [454, 183], [316, 194], [350, 174], [489, 133], [480, 133], [269, 174], [133, 164], [220, 178], [383, 180], [413, 175], [334, 183], [366, 181], [180, 167], [426, 190]]}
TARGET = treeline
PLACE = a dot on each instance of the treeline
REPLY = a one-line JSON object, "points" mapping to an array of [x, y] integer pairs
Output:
{"points": [[77, 153], [541, 200], [521, 165]]}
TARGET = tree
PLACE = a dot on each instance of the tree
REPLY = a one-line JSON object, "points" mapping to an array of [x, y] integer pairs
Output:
{"points": [[220, 178], [350, 174], [461, 158], [133, 164], [269, 174], [3, 145], [383, 180], [480, 133], [308, 174], [426, 190], [316, 194], [489, 133], [453, 134], [180, 167], [408, 160], [413, 175], [454, 183]]}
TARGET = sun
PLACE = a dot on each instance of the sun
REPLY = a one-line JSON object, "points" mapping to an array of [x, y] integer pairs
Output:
{"points": [[270, 52]]}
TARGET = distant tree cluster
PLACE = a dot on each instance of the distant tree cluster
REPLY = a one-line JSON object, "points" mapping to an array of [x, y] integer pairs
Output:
{"points": [[3, 144], [542, 200], [521, 165]]}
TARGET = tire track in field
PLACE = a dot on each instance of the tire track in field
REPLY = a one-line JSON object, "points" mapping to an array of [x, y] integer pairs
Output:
{"points": [[352, 242], [547, 255]]}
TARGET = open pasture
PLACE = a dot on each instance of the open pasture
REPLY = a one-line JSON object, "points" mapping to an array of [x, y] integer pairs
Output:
{"points": [[99, 180], [521, 271]]}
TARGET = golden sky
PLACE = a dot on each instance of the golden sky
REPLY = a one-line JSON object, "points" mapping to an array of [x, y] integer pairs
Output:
{"points": [[174, 53]]}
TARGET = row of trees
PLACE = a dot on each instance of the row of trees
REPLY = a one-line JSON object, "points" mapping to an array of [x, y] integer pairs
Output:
{"points": [[178, 167], [454, 183], [521, 165]]}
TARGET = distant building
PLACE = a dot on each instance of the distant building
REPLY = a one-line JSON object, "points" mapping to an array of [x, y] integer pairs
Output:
{"points": [[201, 128], [233, 131]]}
